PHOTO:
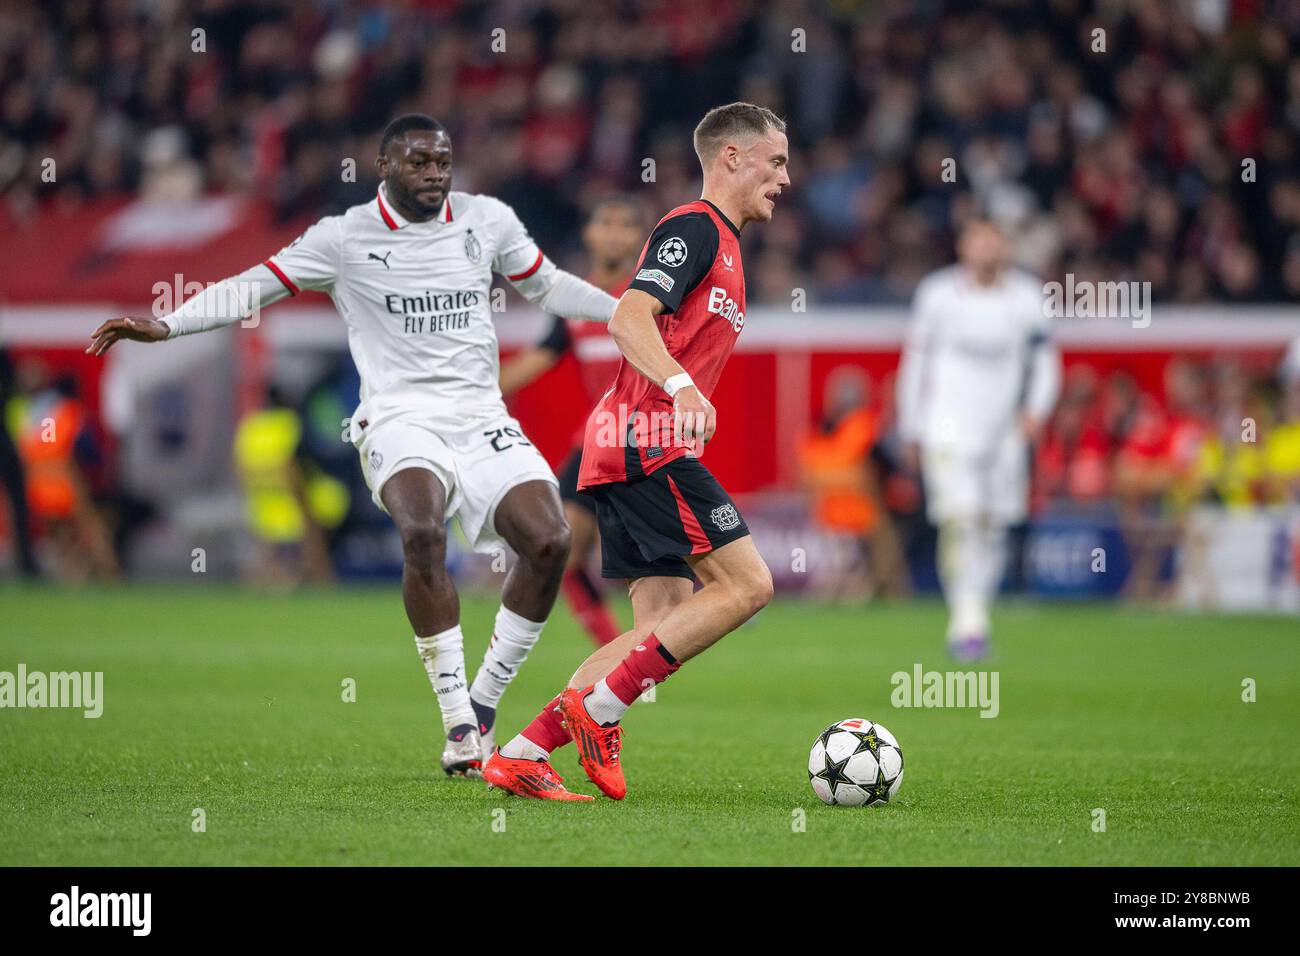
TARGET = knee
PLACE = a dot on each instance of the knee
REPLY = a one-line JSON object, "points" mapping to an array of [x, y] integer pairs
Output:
{"points": [[753, 589], [548, 547], [424, 545]]}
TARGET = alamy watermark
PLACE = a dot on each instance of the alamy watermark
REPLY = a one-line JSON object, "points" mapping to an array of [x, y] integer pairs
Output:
{"points": [[75, 690], [922, 688], [624, 427], [75, 908], [1084, 299], [237, 297]]}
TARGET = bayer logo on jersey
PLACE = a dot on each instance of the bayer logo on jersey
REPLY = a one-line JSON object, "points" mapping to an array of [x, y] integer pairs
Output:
{"points": [[673, 252]]}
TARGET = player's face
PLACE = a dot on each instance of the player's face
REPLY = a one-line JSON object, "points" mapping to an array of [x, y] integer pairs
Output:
{"points": [[982, 248], [416, 170], [764, 174], [613, 234]]}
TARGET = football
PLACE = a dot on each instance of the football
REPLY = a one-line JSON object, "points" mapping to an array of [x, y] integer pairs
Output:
{"points": [[855, 763]]}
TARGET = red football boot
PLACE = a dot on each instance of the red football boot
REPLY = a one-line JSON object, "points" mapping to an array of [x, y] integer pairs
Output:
{"points": [[528, 778], [598, 747]]}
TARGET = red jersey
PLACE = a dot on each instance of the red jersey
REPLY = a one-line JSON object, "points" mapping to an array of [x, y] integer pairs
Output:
{"points": [[691, 263]]}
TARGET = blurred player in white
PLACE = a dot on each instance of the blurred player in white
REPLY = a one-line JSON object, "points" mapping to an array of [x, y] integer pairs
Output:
{"points": [[411, 272], [979, 377]]}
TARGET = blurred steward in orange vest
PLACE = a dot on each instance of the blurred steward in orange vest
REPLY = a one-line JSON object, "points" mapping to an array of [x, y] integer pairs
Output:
{"points": [[836, 466], [48, 425]]}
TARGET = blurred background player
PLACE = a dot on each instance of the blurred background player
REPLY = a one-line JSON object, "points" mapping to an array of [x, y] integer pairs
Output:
{"points": [[664, 518], [978, 379], [12, 475], [290, 504], [612, 237], [410, 271]]}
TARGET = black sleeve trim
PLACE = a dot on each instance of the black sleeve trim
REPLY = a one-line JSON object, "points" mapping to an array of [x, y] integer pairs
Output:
{"points": [[679, 255]]}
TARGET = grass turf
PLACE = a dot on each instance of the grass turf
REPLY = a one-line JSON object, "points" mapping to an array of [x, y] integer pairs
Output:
{"points": [[231, 702]]}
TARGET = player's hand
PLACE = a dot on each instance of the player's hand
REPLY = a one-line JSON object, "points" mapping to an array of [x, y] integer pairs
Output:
{"points": [[127, 327], [694, 419], [1032, 427]]}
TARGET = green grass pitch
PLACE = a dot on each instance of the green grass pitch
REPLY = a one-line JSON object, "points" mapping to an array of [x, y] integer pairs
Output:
{"points": [[231, 702]]}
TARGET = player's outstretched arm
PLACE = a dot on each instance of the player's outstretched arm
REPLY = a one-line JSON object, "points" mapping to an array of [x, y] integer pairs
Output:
{"points": [[538, 279], [221, 304], [309, 262], [634, 329], [563, 293]]}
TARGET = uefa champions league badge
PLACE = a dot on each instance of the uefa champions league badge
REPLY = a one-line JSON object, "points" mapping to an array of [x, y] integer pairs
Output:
{"points": [[472, 248], [673, 252]]}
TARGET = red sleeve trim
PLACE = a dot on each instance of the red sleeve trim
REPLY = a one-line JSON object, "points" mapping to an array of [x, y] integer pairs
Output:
{"points": [[284, 279], [529, 271]]}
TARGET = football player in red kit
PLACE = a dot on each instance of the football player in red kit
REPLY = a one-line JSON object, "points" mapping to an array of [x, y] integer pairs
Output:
{"points": [[664, 519], [613, 237]]}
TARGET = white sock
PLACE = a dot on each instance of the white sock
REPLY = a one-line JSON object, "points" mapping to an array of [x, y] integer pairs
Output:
{"points": [[512, 638], [603, 704], [964, 571], [995, 559], [444, 661], [521, 748]]}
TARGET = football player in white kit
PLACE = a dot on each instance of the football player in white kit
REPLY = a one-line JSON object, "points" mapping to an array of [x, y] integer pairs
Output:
{"points": [[979, 376], [410, 272]]}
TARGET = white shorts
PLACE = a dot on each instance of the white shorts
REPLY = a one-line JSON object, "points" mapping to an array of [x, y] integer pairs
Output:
{"points": [[477, 461], [966, 484]]}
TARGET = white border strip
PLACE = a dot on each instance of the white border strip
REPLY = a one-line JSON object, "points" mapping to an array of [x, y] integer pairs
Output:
{"points": [[766, 329]]}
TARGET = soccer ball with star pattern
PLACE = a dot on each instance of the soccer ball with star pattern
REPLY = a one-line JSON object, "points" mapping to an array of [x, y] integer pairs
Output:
{"points": [[855, 763]]}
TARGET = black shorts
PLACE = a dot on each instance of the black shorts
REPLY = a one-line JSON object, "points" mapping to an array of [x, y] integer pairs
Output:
{"points": [[569, 483], [648, 526]]}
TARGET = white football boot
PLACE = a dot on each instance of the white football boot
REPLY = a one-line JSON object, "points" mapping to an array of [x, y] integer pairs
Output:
{"points": [[463, 757]]}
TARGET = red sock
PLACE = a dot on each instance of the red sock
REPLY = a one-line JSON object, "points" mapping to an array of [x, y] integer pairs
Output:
{"points": [[546, 730], [588, 607], [647, 664]]}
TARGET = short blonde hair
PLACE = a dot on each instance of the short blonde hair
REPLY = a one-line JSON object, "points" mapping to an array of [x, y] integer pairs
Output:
{"points": [[727, 122]]}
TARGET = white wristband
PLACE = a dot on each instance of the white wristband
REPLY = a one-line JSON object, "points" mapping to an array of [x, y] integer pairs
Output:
{"points": [[676, 383]]}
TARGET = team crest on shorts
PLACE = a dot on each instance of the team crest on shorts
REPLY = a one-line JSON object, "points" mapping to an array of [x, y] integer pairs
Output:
{"points": [[376, 459], [725, 517], [472, 248]]}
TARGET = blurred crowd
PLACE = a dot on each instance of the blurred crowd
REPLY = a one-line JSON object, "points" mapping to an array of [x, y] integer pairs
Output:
{"points": [[1217, 432], [1220, 433], [1162, 148]]}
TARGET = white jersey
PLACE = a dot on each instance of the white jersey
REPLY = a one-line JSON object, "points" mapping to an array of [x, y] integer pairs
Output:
{"points": [[976, 356], [415, 297]]}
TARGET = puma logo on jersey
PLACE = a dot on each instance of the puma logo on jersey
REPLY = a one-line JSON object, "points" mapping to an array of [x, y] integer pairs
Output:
{"points": [[722, 304], [384, 260]]}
